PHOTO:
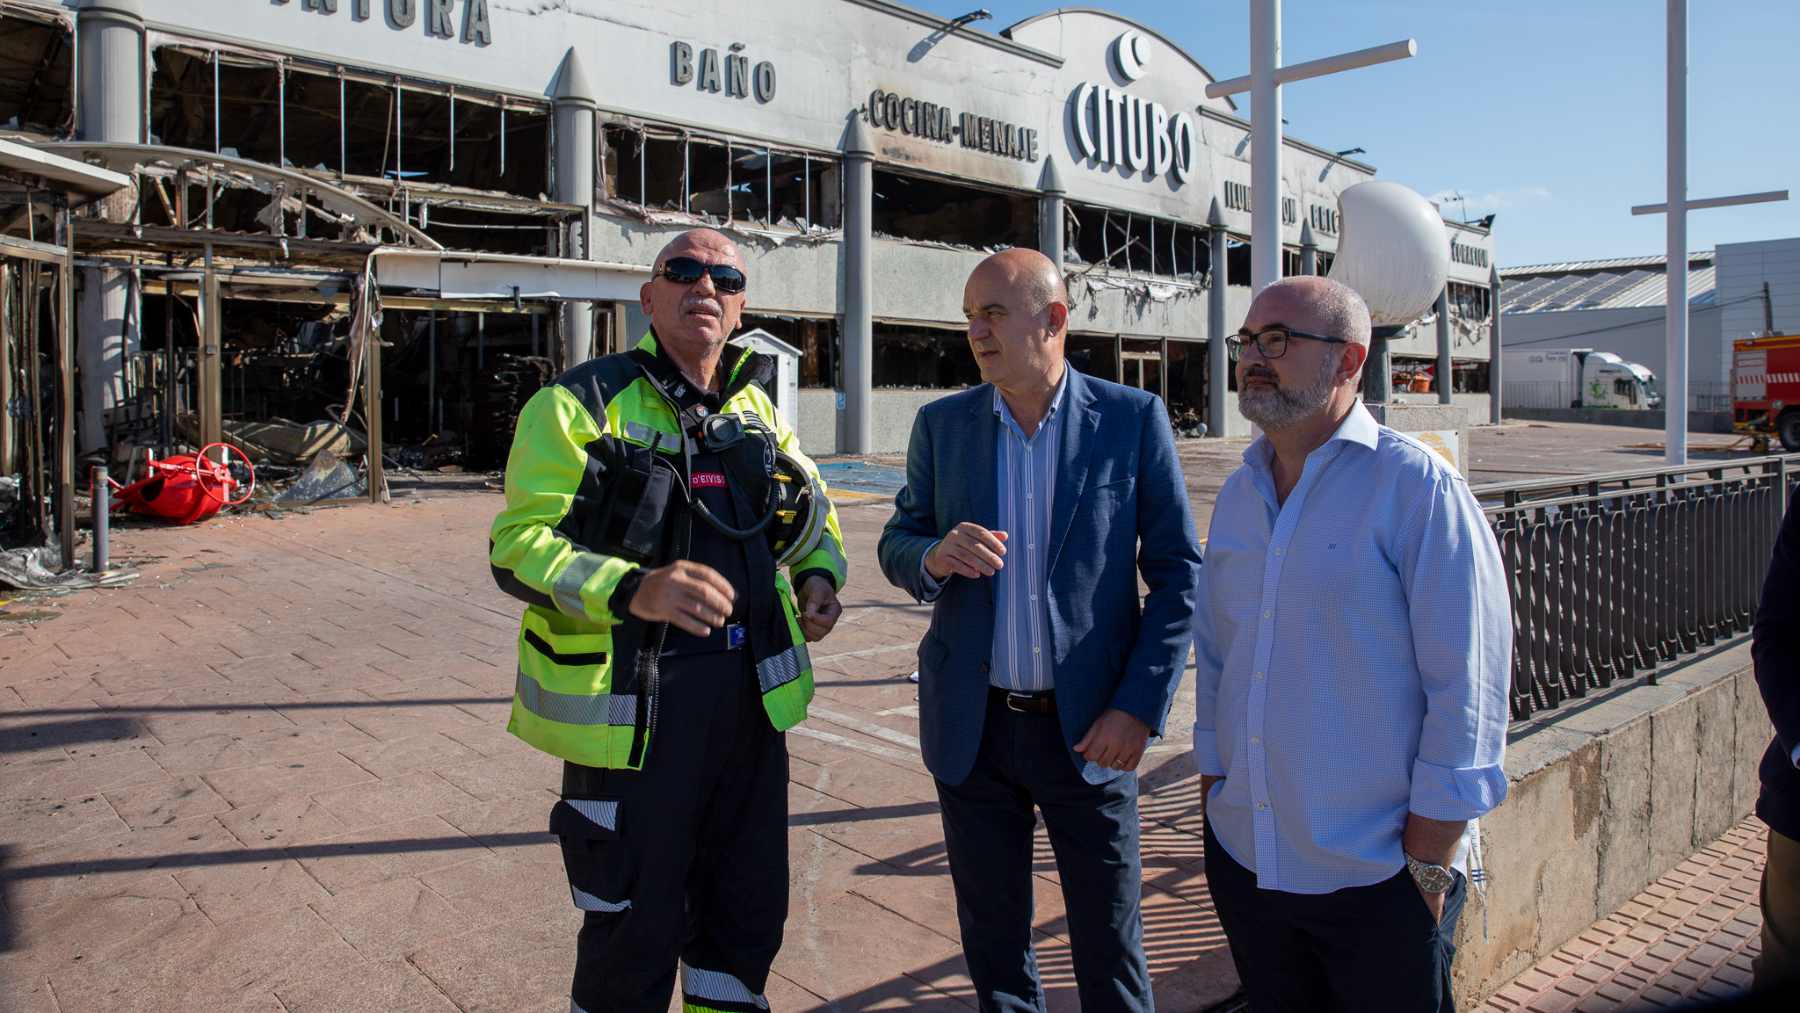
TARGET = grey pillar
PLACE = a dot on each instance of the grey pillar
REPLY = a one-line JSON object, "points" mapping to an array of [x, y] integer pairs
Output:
{"points": [[576, 111], [1309, 250], [1444, 369], [1050, 213], [111, 100], [1494, 356], [855, 427], [1217, 361]]}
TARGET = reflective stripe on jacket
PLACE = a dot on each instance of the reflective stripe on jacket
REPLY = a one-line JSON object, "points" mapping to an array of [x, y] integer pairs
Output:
{"points": [[576, 696]]}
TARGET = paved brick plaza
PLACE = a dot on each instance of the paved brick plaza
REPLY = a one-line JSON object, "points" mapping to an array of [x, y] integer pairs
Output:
{"points": [[273, 775]]}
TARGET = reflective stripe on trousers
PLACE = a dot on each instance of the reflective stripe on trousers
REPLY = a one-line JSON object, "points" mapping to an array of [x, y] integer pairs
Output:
{"points": [[716, 986]]}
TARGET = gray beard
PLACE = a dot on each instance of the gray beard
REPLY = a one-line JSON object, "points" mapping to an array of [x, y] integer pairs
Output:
{"points": [[1278, 409]]}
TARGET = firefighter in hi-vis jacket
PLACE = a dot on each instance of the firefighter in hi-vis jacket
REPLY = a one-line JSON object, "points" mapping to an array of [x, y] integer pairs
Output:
{"points": [[652, 500]]}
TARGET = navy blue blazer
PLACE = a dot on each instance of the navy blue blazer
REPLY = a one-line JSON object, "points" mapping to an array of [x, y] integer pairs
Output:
{"points": [[1120, 509]]}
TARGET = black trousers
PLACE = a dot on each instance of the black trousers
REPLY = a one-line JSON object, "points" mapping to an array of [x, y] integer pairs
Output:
{"points": [[988, 826], [694, 868], [1367, 948]]}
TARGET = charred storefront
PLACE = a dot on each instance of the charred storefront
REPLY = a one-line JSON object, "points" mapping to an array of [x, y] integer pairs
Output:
{"points": [[384, 223]]}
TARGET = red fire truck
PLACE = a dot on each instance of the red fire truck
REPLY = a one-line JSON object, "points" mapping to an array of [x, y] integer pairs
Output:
{"points": [[1765, 389]]}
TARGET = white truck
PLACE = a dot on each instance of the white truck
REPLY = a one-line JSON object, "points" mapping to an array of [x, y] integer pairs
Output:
{"points": [[1575, 378]]}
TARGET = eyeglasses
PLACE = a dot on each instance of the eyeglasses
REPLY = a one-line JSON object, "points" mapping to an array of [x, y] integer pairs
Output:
{"points": [[687, 271], [1272, 342]]}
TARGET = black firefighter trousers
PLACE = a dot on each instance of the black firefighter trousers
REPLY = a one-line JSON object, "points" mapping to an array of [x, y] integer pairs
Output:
{"points": [[686, 859]]}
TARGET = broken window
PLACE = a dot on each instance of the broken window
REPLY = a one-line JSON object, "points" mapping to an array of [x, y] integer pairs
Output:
{"points": [[914, 207], [816, 339], [1237, 262], [649, 167], [1469, 376], [1138, 244], [249, 113], [368, 127], [922, 357], [796, 197], [524, 155], [666, 169], [1469, 302], [1093, 354], [427, 145], [37, 68], [312, 140], [708, 185], [489, 229], [181, 98]]}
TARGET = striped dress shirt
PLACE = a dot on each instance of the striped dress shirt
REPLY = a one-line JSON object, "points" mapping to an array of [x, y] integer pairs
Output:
{"points": [[1025, 480]]}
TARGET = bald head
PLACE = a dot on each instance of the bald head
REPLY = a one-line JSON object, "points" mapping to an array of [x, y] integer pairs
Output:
{"points": [[1018, 313], [708, 245], [692, 321], [1028, 273], [1316, 304]]}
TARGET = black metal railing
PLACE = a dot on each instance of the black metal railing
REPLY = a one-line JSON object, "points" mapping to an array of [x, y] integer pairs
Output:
{"points": [[1613, 575]]}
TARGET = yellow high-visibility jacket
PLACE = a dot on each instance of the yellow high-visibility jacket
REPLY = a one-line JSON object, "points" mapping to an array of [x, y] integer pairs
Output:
{"points": [[576, 696]]}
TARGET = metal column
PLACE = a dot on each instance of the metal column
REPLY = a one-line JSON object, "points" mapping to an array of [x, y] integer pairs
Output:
{"points": [[1265, 144], [65, 385], [110, 40], [1444, 379], [856, 422], [1050, 214], [6, 381], [1675, 393], [575, 111], [1495, 387], [1218, 362], [1309, 250], [209, 357]]}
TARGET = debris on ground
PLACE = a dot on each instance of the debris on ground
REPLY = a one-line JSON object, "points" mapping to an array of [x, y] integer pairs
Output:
{"points": [[40, 568], [327, 477]]}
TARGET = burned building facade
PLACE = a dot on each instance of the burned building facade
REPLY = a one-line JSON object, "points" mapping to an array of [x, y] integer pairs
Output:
{"points": [[478, 187]]}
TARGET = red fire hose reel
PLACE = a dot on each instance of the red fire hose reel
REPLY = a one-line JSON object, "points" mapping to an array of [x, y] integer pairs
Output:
{"points": [[188, 488]]}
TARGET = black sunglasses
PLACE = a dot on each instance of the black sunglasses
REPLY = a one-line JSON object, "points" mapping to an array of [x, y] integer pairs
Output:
{"points": [[1272, 342], [687, 271]]}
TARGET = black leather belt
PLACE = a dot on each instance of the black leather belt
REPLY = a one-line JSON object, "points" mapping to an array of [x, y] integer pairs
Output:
{"points": [[1024, 703]]}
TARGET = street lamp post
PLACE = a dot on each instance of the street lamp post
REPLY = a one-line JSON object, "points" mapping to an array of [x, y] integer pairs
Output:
{"points": [[1675, 385], [1264, 82]]}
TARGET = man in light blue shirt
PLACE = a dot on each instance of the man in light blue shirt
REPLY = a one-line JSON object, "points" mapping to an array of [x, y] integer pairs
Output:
{"points": [[1353, 645]]}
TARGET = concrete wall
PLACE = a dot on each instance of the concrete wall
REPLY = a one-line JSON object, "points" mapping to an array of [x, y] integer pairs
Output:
{"points": [[893, 419], [1698, 422], [1605, 797], [1742, 269], [1635, 334]]}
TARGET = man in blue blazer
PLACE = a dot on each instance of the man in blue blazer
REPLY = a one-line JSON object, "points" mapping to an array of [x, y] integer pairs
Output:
{"points": [[1042, 679]]}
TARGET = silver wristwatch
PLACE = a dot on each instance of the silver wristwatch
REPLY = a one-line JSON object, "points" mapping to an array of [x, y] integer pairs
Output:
{"points": [[1431, 878]]}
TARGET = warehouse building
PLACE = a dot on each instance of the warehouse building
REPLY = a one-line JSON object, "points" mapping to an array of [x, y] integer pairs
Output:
{"points": [[463, 196]]}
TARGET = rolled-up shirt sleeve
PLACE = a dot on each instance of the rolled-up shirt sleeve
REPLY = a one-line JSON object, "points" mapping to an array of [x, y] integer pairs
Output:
{"points": [[1461, 619]]}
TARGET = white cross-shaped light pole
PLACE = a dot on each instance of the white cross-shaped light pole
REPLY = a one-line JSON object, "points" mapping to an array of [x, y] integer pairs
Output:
{"points": [[1267, 75], [1675, 397]]}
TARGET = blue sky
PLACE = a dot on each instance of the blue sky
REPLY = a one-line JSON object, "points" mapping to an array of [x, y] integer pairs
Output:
{"points": [[1550, 114]]}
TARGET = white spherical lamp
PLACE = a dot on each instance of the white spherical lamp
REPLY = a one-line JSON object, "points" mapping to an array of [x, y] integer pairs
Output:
{"points": [[1394, 252]]}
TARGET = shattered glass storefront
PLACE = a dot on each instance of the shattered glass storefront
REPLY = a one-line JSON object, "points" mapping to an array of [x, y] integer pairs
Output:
{"points": [[386, 222]]}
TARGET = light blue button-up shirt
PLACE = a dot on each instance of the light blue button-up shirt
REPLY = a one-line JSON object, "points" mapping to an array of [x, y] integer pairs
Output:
{"points": [[1025, 479], [1353, 648]]}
